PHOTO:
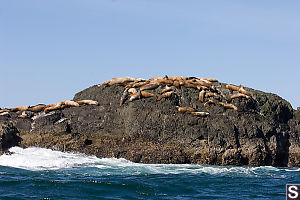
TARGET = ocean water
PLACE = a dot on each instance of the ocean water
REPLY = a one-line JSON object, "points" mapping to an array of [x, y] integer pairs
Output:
{"points": [[37, 173]]}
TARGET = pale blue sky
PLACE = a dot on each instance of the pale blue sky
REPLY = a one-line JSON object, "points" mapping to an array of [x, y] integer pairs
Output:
{"points": [[51, 49]]}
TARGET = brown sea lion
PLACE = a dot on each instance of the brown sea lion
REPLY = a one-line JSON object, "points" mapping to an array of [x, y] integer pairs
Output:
{"points": [[201, 114], [243, 91], [185, 109], [238, 95], [228, 106], [149, 86], [121, 80], [176, 84], [88, 102], [165, 95], [167, 89], [135, 96], [177, 78], [52, 107], [23, 115], [211, 94], [132, 90], [233, 87], [37, 108], [4, 113], [135, 85], [201, 87], [69, 103], [19, 108], [201, 96], [147, 94]]}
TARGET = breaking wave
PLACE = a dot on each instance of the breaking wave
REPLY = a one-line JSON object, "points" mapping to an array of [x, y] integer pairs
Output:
{"points": [[36, 159]]}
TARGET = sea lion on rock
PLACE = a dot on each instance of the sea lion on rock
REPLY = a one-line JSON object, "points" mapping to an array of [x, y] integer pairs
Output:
{"points": [[135, 85], [201, 96], [201, 114], [4, 113], [19, 108], [149, 86], [201, 87], [238, 95], [211, 94], [23, 115], [147, 94], [232, 87], [176, 84], [52, 107], [165, 95], [228, 106], [37, 108], [69, 103], [135, 96], [88, 102], [132, 90], [243, 91], [121, 80], [185, 109], [167, 89]]}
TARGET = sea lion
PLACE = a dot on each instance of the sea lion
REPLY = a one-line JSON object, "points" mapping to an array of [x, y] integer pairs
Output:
{"points": [[165, 95], [243, 91], [88, 102], [232, 87], [37, 108], [185, 109], [201, 114], [167, 89], [135, 96], [209, 103], [149, 86], [238, 95], [135, 85], [211, 79], [147, 94], [201, 87], [177, 78], [211, 94], [19, 108], [4, 113], [53, 107], [69, 103], [132, 90], [23, 115], [121, 80], [201, 96], [190, 84], [176, 84], [228, 106]]}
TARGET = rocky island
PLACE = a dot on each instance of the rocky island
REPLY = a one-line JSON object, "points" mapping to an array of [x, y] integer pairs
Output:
{"points": [[163, 120]]}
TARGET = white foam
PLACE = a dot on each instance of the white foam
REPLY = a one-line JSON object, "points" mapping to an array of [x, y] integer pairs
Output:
{"points": [[45, 159]]}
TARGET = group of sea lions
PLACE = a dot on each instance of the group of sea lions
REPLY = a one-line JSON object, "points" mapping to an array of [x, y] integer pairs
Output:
{"points": [[208, 94], [47, 108]]}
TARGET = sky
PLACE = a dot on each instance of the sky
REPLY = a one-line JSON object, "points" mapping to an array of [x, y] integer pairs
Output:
{"points": [[52, 49]]}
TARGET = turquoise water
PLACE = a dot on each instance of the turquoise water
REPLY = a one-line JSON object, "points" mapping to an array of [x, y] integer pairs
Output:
{"points": [[37, 173]]}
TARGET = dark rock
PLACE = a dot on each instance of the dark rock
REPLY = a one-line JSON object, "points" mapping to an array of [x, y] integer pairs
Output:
{"points": [[8, 136], [264, 131]]}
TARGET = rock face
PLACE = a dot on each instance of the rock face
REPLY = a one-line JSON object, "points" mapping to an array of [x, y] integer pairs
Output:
{"points": [[265, 130]]}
